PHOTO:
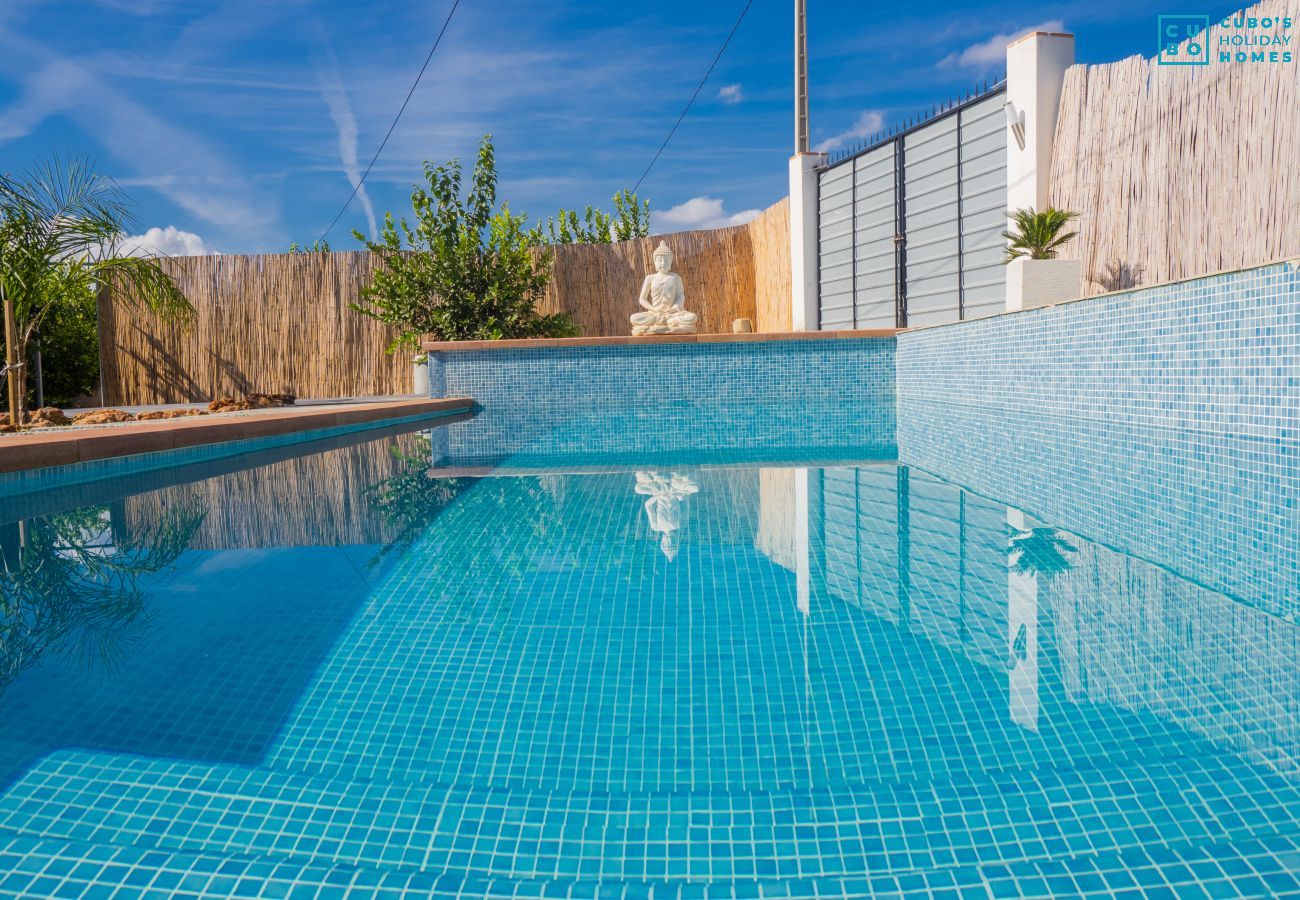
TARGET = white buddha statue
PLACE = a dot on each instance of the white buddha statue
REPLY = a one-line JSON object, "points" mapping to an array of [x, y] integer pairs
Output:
{"points": [[664, 508], [662, 296]]}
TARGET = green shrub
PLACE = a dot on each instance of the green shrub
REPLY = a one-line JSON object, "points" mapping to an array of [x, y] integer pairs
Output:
{"points": [[630, 219], [69, 346], [465, 270]]}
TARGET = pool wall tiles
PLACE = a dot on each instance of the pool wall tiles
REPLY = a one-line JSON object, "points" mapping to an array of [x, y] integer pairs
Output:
{"points": [[594, 399], [1164, 421]]}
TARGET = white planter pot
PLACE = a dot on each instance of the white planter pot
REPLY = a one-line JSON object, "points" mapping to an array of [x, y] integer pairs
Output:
{"points": [[420, 377], [1038, 282]]}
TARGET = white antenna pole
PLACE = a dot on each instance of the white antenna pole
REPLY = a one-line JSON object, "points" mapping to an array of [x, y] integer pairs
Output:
{"points": [[800, 77]]}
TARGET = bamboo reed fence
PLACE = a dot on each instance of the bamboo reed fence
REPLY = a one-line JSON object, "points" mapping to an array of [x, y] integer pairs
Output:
{"points": [[274, 323], [769, 237], [1179, 171], [281, 323]]}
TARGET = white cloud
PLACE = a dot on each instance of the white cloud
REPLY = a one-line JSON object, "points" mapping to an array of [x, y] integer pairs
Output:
{"points": [[336, 98], [993, 52], [199, 179], [731, 93], [697, 214], [169, 241], [867, 123]]}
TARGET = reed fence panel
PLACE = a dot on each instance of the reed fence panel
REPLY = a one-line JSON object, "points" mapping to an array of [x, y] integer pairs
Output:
{"points": [[769, 237], [281, 323], [1179, 171]]}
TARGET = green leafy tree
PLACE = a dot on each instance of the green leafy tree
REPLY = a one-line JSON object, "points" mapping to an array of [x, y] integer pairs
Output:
{"points": [[69, 346], [630, 219], [631, 216], [1037, 235], [61, 229], [565, 227], [465, 270], [68, 342]]}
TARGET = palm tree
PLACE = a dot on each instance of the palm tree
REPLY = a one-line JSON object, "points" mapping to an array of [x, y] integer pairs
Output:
{"points": [[1037, 235], [61, 232]]}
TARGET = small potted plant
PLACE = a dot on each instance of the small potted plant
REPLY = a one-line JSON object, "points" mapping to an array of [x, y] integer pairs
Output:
{"points": [[420, 371], [1035, 277]]}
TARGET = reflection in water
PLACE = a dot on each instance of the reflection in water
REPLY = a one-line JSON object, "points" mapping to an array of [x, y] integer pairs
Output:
{"points": [[1040, 552], [843, 648], [73, 582], [408, 500], [663, 509], [1081, 629]]}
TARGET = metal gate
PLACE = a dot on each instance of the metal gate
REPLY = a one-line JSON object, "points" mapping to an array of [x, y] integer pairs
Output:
{"points": [[910, 227]]}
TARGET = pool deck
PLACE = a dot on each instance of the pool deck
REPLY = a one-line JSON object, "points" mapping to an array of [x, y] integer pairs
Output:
{"points": [[73, 444]]}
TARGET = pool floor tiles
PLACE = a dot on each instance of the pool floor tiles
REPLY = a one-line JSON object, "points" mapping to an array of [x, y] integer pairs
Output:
{"points": [[561, 712], [81, 823]]}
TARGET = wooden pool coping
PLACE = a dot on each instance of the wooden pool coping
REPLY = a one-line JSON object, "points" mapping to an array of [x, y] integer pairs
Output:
{"points": [[39, 449], [619, 341]]}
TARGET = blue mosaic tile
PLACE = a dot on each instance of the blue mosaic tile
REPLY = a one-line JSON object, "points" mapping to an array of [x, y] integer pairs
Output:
{"points": [[729, 648], [769, 395], [1162, 421]]}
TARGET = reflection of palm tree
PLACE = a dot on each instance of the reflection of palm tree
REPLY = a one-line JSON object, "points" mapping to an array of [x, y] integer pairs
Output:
{"points": [[67, 585], [1039, 551]]}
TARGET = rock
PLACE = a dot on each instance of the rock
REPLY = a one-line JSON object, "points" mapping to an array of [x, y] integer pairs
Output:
{"points": [[170, 414], [102, 417], [47, 417], [251, 401]]}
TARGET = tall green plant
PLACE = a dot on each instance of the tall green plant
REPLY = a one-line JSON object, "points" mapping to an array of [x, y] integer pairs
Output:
{"points": [[1037, 235], [318, 246], [630, 219], [61, 228], [465, 270]]}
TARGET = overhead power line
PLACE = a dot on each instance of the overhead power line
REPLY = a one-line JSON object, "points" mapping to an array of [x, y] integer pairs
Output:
{"points": [[362, 180], [698, 88]]}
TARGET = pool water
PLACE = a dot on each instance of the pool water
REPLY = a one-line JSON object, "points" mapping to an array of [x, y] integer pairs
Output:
{"points": [[341, 673]]}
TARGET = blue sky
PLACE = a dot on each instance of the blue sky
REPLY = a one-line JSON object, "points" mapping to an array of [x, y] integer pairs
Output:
{"points": [[234, 124]]}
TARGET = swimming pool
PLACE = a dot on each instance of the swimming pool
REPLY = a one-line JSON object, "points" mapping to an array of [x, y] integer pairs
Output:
{"points": [[682, 673]]}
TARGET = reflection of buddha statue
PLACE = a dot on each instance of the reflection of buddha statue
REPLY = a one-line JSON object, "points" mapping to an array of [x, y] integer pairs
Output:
{"points": [[662, 296], [664, 508]]}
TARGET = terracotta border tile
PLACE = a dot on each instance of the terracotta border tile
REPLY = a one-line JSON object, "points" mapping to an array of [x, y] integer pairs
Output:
{"points": [[627, 340], [42, 449], [27, 455]]}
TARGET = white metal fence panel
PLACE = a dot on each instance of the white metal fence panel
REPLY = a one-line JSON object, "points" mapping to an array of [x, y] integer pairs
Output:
{"points": [[932, 275], [983, 207], [911, 228], [874, 296], [835, 243]]}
